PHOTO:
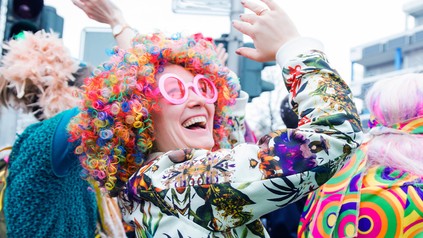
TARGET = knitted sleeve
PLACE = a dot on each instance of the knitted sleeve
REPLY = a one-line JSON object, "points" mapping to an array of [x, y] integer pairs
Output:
{"points": [[37, 202]]}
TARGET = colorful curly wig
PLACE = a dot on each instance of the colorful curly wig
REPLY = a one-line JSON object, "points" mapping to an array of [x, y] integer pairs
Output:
{"points": [[114, 129]]}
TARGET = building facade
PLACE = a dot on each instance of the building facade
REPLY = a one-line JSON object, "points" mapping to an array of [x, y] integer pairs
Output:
{"points": [[389, 56]]}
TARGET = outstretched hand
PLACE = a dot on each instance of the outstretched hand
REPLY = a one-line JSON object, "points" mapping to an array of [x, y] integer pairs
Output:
{"points": [[103, 11], [270, 28], [222, 55]]}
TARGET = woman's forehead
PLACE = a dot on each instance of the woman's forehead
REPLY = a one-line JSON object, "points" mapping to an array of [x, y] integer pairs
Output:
{"points": [[178, 70]]}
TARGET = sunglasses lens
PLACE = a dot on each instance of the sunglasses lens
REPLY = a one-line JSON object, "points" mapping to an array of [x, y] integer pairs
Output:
{"points": [[174, 88], [206, 88]]}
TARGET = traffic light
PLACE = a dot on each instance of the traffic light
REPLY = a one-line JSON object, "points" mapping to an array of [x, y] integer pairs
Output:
{"points": [[250, 75], [30, 15], [51, 21], [22, 15]]}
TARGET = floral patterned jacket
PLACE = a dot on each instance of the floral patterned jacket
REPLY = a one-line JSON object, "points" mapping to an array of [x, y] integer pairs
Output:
{"points": [[199, 193]]}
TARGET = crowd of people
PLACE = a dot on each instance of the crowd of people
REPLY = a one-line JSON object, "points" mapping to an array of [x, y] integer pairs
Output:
{"points": [[154, 141]]}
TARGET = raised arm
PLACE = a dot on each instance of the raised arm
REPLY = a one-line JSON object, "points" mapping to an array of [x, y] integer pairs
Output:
{"points": [[229, 188], [105, 11]]}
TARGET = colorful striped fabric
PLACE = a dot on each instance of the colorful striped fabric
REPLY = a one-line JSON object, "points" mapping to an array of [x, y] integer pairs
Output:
{"points": [[412, 126], [379, 202]]}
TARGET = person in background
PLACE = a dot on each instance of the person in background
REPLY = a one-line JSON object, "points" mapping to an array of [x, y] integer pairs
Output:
{"points": [[379, 192], [161, 147], [45, 195]]}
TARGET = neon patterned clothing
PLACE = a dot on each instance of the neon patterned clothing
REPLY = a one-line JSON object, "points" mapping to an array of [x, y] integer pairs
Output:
{"points": [[199, 193], [379, 202]]}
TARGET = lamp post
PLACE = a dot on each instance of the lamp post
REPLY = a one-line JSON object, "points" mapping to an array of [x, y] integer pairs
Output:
{"points": [[235, 38]]}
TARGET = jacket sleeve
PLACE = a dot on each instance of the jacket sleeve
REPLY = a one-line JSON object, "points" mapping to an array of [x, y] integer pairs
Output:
{"points": [[229, 188]]}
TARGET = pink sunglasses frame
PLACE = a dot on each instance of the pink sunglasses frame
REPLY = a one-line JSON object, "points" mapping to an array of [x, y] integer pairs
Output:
{"points": [[188, 85]]}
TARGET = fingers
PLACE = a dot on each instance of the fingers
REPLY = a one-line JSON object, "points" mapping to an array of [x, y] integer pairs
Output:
{"points": [[269, 27], [83, 5], [270, 4], [250, 53], [222, 55], [78, 3], [254, 7], [219, 48], [243, 27], [250, 18], [225, 58]]}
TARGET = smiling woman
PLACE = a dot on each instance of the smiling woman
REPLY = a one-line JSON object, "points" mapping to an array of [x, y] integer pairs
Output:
{"points": [[124, 98], [179, 121], [156, 122]]}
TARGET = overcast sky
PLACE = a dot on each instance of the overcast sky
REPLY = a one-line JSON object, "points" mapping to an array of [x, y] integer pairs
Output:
{"points": [[340, 25]]}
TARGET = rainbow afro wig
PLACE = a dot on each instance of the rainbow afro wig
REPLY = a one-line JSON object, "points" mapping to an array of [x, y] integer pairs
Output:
{"points": [[114, 131]]}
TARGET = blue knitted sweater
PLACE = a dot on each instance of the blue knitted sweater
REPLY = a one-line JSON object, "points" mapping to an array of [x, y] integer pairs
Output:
{"points": [[43, 202]]}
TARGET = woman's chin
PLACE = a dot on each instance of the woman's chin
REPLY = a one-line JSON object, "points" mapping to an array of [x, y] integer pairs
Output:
{"points": [[199, 138]]}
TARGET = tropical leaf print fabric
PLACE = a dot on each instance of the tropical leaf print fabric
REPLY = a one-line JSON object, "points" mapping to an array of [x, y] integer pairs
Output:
{"points": [[199, 193]]}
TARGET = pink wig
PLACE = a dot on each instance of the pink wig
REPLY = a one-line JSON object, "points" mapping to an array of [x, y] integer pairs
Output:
{"points": [[115, 127], [393, 101]]}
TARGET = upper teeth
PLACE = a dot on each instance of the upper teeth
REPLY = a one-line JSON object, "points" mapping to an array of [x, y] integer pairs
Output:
{"points": [[192, 121]]}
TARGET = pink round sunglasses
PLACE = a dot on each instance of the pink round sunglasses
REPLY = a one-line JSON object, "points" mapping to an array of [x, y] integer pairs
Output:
{"points": [[174, 89]]}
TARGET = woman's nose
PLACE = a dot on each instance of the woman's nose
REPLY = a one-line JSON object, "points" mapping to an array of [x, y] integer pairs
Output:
{"points": [[194, 99]]}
